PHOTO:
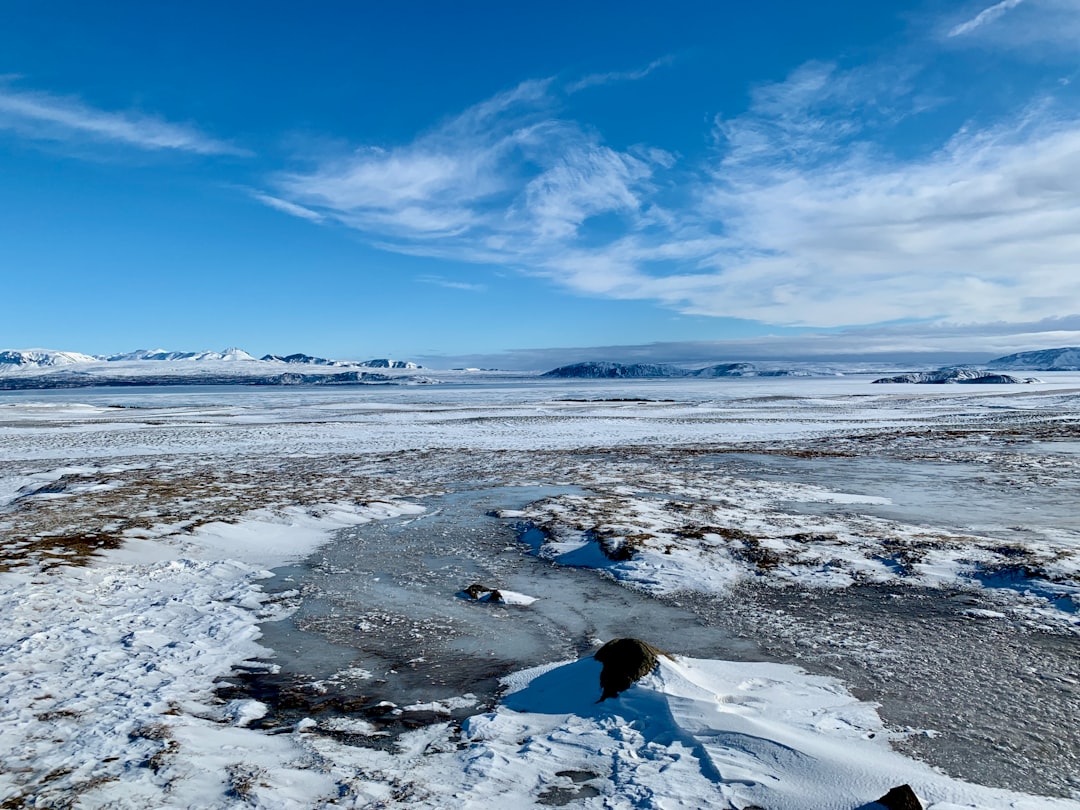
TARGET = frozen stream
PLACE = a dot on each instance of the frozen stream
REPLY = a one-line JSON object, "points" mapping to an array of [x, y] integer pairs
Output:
{"points": [[382, 620]]}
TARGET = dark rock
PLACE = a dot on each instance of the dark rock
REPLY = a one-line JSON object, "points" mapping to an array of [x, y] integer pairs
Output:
{"points": [[901, 798], [482, 593], [625, 661]]}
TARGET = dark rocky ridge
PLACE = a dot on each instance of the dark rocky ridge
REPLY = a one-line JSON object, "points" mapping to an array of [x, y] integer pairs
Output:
{"points": [[957, 374], [604, 370]]}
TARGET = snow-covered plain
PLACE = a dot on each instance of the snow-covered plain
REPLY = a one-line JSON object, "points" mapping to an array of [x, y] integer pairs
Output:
{"points": [[138, 526]]}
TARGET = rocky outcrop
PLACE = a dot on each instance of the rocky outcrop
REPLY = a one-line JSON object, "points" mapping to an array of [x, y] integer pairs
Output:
{"points": [[900, 798], [625, 661]]}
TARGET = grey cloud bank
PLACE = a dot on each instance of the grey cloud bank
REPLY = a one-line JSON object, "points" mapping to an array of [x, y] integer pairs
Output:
{"points": [[905, 345]]}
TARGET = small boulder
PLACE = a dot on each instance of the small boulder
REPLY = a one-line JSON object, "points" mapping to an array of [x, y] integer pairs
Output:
{"points": [[901, 798], [625, 661], [482, 593]]}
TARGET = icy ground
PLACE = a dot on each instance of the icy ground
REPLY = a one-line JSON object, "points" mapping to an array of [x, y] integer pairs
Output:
{"points": [[138, 526]]}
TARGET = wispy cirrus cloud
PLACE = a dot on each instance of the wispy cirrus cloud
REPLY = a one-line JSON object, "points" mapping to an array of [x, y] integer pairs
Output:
{"points": [[600, 79], [286, 207], [984, 17], [502, 180], [1033, 29], [451, 284], [43, 116], [800, 216]]}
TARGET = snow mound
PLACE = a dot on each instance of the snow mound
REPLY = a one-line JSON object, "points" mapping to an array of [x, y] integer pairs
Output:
{"points": [[700, 733]]}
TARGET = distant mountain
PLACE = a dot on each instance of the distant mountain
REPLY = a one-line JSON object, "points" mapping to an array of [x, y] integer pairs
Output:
{"points": [[382, 362], [305, 359], [162, 354], [726, 370], [956, 374], [42, 358], [603, 370], [1064, 359], [42, 368]]}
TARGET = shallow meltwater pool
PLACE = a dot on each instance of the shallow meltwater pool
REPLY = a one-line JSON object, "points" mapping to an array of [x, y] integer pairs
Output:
{"points": [[382, 618]]}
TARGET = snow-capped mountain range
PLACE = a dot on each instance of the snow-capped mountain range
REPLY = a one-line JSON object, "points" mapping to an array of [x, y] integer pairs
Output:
{"points": [[43, 358], [49, 358], [161, 354], [46, 368]]}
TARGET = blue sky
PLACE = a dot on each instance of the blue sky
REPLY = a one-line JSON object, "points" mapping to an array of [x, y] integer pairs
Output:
{"points": [[484, 180]]}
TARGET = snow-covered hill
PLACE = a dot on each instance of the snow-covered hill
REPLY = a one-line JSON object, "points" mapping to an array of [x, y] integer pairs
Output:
{"points": [[42, 358], [230, 354], [602, 370], [956, 374], [1063, 359]]}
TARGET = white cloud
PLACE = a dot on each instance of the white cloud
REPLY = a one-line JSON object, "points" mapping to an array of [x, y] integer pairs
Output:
{"points": [[587, 180], [437, 186], [43, 116], [450, 284], [983, 229], [600, 79], [984, 17], [501, 182], [800, 217], [1036, 30], [287, 207]]}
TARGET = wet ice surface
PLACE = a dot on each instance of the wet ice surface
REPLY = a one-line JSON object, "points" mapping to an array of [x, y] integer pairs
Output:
{"points": [[961, 495], [1000, 702], [983, 698], [382, 618]]}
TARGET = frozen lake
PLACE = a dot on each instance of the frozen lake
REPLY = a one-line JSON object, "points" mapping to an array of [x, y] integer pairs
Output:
{"points": [[916, 542]]}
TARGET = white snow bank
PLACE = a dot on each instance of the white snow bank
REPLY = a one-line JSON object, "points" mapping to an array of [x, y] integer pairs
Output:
{"points": [[268, 537], [700, 734], [109, 671], [107, 668]]}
